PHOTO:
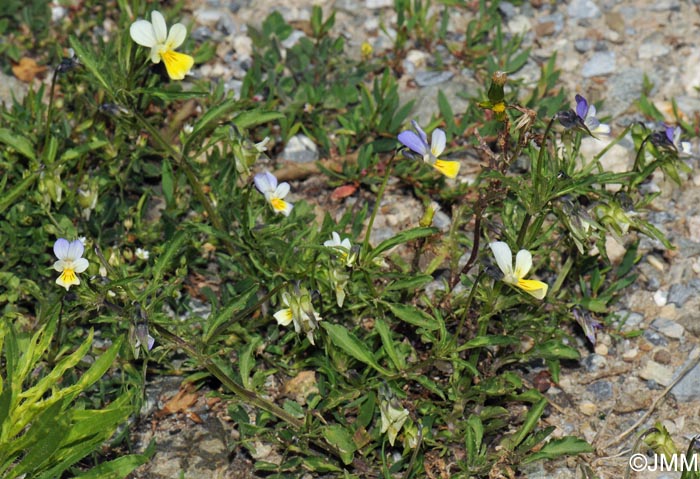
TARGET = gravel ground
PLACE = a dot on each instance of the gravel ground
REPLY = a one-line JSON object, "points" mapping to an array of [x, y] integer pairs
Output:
{"points": [[604, 49]]}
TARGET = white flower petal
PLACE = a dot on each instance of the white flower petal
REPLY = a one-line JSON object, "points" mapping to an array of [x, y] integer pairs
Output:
{"points": [[141, 32], [504, 257], [265, 182], [284, 316], [160, 29], [282, 190], [438, 142], [59, 265], [523, 263], [80, 265], [75, 250], [176, 36]]}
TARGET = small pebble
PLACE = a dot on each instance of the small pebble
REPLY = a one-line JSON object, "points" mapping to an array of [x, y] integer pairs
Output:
{"points": [[663, 356], [601, 349], [660, 297], [588, 408], [630, 355]]}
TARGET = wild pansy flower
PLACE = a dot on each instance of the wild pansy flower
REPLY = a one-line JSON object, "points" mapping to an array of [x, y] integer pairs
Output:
{"points": [[274, 193], [299, 311], [523, 263], [417, 142], [583, 119], [142, 254], [155, 35], [670, 139], [587, 112], [343, 248], [70, 261]]}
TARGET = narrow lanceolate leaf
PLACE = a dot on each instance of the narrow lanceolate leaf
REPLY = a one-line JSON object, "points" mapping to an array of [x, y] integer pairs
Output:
{"points": [[401, 238], [568, 445], [349, 343], [412, 315], [18, 142]]}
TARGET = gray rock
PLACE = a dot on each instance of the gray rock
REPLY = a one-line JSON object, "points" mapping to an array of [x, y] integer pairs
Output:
{"points": [[556, 18], [201, 34], [668, 328], [688, 388], [507, 10], [426, 98], [582, 45], [655, 338], [376, 4], [594, 362], [583, 9], [226, 25], [300, 149], [664, 5], [602, 390], [11, 88], [429, 78], [679, 293], [624, 88], [600, 63]]}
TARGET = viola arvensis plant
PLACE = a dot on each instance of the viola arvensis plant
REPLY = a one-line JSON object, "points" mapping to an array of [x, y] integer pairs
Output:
{"points": [[523, 263], [70, 261], [417, 142], [155, 35], [586, 112], [274, 193]]}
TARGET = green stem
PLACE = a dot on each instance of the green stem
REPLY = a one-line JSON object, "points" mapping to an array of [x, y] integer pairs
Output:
{"points": [[49, 111], [523, 230], [540, 158], [380, 195], [467, 306]]}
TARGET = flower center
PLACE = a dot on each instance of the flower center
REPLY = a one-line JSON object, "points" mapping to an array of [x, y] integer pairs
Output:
{"points": [[278, 204]]}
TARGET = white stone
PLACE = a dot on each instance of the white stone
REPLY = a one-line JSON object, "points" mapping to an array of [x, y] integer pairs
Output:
{"points": [[661, 297], [657, 372]]}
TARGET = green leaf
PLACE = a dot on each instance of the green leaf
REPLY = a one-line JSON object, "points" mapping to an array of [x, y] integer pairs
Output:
{"points": [[564, 446], [10, 197], [412, 315], [485, 341], [318, 464], [19, 143], [168, 183], [533, 415], [246, 362], [86, 58], [388, 343], [555, 349], [249, 119], [170, 250], [349, 343], [401, 238], [121, 467], [412, 283], [341, 438]]}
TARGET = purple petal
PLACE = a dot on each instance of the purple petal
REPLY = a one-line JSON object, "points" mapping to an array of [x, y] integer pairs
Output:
{"points": [[670, 132], [420, 131], [60, 248], [581, 107], [413, 142]]}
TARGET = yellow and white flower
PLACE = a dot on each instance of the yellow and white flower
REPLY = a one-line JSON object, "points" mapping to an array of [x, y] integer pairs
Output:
{"points": [[523, 263], [299, 311], [274, 193], [155, 35], [70, 261], [344, 248]]}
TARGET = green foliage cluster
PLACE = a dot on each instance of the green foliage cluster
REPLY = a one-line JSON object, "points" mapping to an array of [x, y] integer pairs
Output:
{"points": [[414, 343]]}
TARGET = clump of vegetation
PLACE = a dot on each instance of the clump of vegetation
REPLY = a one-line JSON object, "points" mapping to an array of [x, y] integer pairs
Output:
{"points": [[148, 198]]}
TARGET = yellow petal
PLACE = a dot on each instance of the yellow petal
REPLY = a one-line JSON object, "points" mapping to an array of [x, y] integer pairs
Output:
{"points": [[67, 279], [281, 206], [538, 289], [448, 168], [177, 64]]}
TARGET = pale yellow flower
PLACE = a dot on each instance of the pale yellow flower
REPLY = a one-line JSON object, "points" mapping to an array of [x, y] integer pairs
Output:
{"points": [[155, 35], [523, 263], [70, 261]]}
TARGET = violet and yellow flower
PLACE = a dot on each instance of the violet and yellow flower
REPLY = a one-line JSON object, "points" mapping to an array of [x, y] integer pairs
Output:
{"points": [[155, 35], [516, 276], [274, 193], [70, 261], [417, 142]]}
